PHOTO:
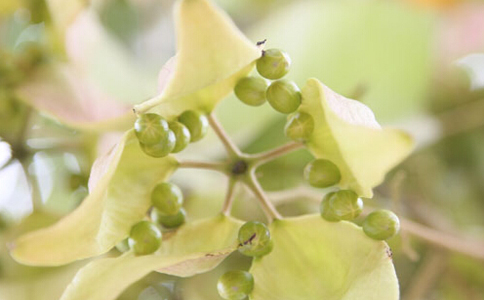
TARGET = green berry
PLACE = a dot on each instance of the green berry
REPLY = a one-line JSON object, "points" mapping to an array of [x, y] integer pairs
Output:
{"points": [[163, 148], [326, 209], [284, 96], [144, 238], [381, 224], [255, 239], [196, 123], [235, 285], [182, 135], [322, 173], [123, 246], [299, 127], [150, 129], [167, 198], [169, 221], [346, 205], [273, 64], [251, 90]]}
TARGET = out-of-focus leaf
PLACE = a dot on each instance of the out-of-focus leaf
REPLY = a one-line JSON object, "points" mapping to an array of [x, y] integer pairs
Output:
{"points": [[460, 33], [46, 286], [118, 199], [64, 93], [64, 13], [212, 55], [346, 132], [194, 248], [105, 61], [8, 7], [383, 46], [316, 259]]}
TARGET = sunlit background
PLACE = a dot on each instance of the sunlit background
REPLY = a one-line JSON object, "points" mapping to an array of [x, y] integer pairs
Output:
{"points": [[418, 64]]}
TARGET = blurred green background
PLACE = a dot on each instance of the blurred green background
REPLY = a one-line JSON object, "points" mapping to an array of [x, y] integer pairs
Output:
{"points": [[418, 64]]}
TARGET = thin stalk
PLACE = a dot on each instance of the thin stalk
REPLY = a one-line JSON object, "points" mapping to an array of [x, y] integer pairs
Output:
{"points": [[268, 208], [264, 157], [444, 240], [229, 197], [219, 167], [231, 148]]}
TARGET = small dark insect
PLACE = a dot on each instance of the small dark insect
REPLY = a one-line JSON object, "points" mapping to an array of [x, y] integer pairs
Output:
{"points": [[249, 241], [261, 42], [389, 252]]}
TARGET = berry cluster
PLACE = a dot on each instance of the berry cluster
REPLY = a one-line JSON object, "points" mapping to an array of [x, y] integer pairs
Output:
{"points": [[158, 138], [285, 97], [167, 211]]}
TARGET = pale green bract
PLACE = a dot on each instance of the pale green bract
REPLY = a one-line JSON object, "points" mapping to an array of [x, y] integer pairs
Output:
{"points": [[316, 259], [212, 56], [195, 248], [346, 133], [120, 188]]}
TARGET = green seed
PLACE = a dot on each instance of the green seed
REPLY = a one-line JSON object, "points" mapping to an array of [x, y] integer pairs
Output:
{"points": [[169, 221], [273, 64], [196, 123], [144, 238], [235, 285], [163, 148], [299, 127], [167, 198], [150, 129], [322, 173], [381, 224], [346, 205], [182, 135], [251, 90], [284, 96], [326, 209], [255, 239]]}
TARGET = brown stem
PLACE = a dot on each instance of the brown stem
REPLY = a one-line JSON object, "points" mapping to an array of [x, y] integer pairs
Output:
{"points": [[229, 197], [268, 208], [219, 167], [231, 148], [262, 158]]}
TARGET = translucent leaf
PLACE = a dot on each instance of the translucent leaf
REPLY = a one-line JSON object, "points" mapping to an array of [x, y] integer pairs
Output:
{"points": [[195, 248], [105, 61], [212, 55], [64, 93], [120, 197], [347, 133], [316, 259]]}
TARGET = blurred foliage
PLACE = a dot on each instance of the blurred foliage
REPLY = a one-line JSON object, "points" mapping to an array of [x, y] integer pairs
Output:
{"points": [[386, 52]]}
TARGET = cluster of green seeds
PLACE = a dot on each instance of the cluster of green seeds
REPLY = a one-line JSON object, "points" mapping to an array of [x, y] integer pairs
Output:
{"points": [[283, 95], [158, 137], [167, 212], [346, 204]]}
